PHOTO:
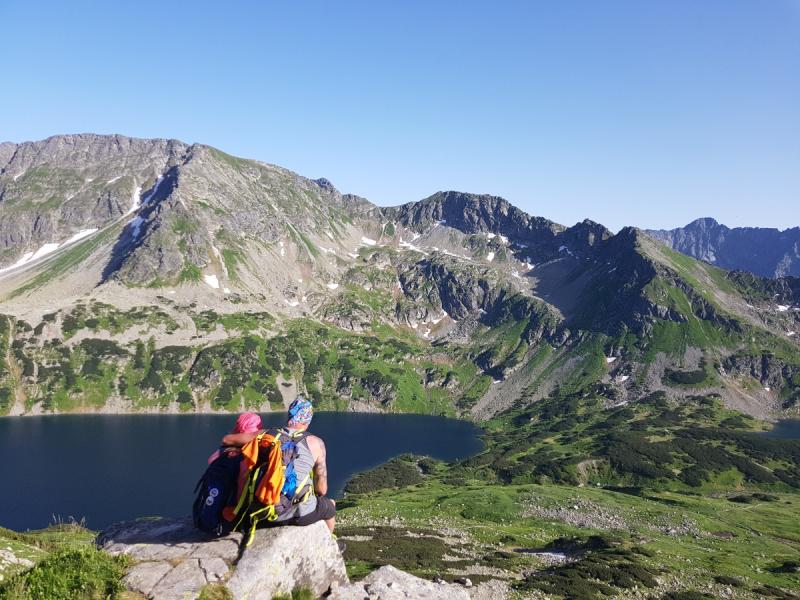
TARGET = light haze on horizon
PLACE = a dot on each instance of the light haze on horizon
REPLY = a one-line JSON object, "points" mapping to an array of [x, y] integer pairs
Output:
{"points": [[628, 113]]}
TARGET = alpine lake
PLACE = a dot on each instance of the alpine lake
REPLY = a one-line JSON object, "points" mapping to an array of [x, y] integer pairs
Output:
{"points": [[109, 468], [786, 429]]}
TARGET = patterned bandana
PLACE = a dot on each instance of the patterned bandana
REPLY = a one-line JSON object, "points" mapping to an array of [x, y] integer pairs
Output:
{"points": [[300, 412]]}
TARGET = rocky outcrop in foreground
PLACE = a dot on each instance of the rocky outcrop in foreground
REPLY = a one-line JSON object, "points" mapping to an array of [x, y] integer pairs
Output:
{"points": [[174, 561]]}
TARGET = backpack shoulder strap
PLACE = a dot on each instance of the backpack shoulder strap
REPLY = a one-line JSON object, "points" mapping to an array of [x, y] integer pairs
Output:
{"points": [[297, 436]]}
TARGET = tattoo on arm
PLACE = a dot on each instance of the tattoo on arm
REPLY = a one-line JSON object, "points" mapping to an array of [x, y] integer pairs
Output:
{"points": [[321, 470]]}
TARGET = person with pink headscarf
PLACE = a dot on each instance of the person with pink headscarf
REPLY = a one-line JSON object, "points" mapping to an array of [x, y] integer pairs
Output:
{"points": [[246, 423]]}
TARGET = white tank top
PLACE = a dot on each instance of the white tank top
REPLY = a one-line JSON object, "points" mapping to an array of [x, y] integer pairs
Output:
{"points": [[303, 467]]}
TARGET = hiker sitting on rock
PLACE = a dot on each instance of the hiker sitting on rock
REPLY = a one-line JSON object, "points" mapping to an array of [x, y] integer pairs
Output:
{"points": [[310, 469]]}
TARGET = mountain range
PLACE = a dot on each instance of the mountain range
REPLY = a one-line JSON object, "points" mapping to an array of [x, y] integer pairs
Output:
{"points": [[762, 251], [157, 275]]}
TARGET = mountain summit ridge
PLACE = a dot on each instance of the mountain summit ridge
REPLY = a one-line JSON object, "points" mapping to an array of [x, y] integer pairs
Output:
{"points": [[764, 251]]}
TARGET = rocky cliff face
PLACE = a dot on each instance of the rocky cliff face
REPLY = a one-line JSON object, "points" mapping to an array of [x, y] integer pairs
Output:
{"points": [[763, 251], [56, 188]]}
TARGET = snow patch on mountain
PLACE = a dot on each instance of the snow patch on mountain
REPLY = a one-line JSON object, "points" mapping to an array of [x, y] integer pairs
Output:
{"points": [[48, 248], [136, 226], [410, 246], [438, 319], [44, 250], [135, 198], [23, 260], [80, 235]]}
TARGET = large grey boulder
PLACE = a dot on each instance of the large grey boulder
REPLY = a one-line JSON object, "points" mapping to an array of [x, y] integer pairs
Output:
{"points": [[284, 558], [389, 583], [174, 561]]}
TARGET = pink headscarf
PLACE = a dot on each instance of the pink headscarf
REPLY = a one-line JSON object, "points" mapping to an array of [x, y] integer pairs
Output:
{"points": [[246, 423]]}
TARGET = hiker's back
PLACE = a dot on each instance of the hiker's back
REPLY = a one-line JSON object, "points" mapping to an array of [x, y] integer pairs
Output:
{"points": [[303, 467]]}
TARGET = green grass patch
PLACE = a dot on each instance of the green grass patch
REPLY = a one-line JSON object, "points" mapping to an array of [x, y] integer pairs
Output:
{"points": [[71, 574]]}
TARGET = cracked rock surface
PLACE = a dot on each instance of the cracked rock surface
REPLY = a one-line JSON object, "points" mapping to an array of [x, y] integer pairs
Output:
{"points": [[175, 561], [389, 583]]}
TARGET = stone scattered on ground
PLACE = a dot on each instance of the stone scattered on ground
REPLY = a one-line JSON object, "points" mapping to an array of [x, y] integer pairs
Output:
{"points": [[684, 527], [580, 513], [389, 583], [174, 561], [10, 562], [492, 589]]}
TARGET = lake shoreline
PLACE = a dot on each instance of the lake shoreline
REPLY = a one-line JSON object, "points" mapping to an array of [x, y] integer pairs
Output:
{"points": [[135, 464], [176, 410], [783, 429]]}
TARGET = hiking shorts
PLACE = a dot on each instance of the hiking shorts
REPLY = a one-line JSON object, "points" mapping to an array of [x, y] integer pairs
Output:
{"points": [[325, 509]]}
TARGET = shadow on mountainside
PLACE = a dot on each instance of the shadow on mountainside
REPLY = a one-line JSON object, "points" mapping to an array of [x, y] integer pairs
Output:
{"points": [[136, 229]]}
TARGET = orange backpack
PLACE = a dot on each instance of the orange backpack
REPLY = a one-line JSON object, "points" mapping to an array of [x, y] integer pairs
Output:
{"points": [[263, 475]]}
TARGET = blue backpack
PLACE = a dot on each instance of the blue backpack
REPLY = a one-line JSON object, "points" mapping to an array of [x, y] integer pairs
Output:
{"points": [[216, 490]]}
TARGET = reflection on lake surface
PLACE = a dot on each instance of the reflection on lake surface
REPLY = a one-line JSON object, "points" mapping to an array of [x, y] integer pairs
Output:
{"points": [[108, 468]]}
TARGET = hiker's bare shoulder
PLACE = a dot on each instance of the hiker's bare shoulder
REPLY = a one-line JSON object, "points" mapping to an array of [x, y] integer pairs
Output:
{"points": [[316, 440], [315, 444]]}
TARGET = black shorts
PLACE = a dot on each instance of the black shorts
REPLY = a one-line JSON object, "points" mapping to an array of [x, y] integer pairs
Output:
{"points": [[326, 509]]}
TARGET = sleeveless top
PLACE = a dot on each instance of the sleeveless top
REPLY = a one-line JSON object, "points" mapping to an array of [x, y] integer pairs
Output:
{"points": [[303, 466]]}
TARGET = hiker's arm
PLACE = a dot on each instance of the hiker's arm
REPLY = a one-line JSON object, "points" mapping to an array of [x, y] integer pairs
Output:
{"points": [[321, 471], [238, 439]]}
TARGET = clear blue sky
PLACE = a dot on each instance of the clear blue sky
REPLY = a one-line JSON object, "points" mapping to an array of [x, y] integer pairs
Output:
{"points": [[625, 112]]}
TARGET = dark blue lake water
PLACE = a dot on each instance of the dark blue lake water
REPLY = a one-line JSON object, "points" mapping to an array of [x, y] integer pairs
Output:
{"points": [[107, 468], [787, 429]]}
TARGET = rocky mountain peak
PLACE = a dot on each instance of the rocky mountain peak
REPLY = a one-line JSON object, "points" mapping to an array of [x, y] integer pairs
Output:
{"points": [[704, 223], [325, 184], [587, 233], [473, 213], [766, 252]]}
